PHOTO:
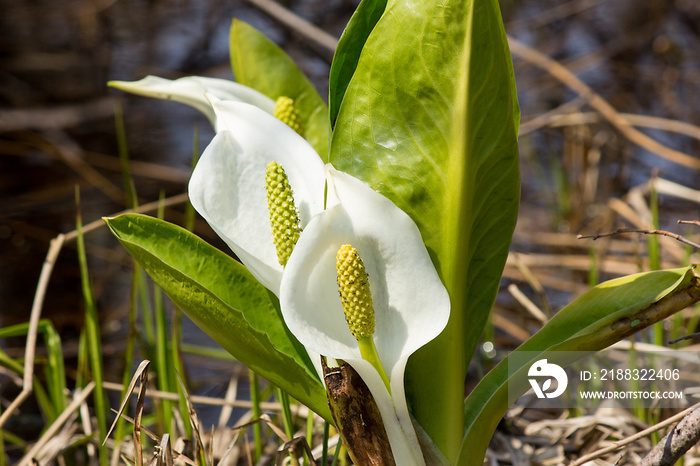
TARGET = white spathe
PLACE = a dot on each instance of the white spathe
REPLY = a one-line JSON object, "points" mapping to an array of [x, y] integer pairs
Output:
{"points": [[227, 186], [411, 304], [191, 90]]}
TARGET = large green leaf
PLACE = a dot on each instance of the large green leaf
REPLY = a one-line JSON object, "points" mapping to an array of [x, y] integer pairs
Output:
{"points": [[600, 317], [259, 63], [429, 120], [225, 301]]}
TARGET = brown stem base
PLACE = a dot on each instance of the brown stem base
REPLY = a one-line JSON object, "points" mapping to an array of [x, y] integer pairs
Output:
{"points": [[356, 416]]}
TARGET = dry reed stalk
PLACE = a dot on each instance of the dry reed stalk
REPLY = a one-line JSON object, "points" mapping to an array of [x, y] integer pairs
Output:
{"points": [[553, 281], [561, 73], [139, 168], [229, 400], [67, 150], [30, 347], [635, 210], [561, 116], [56, 117], [140, 401], [297, 24], [670, 188], [536, 285], [509, 327], [529, 306], [576, 262], [566, 240]]}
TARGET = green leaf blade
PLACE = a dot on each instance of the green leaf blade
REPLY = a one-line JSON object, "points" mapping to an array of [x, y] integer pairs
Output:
{"points": [[428, 119], [349, 48], [600, 317], [259, 63], [221, 297]]}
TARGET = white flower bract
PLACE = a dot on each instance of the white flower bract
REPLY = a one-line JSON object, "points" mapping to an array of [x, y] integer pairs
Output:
{"points": [[411, 303], [227, 187]]}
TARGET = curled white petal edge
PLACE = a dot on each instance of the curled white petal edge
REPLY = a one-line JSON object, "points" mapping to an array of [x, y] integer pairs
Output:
{"points": [[190, 90]]}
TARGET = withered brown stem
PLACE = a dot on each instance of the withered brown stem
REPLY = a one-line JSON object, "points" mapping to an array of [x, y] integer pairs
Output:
{"points": [[356, 416]]}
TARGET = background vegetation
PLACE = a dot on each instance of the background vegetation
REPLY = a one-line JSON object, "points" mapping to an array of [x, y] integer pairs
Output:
{"points": [[609, 93]]}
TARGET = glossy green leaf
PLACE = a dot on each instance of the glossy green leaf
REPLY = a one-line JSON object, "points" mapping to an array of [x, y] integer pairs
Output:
{"points": [[600, 317], [225, 301], [428, 119], [259, 63], [350, 46]]}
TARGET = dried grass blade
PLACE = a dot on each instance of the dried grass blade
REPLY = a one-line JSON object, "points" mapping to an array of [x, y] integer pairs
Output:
{"points": [[284, 450], [143, 384], [229, 399], [194, 420], [86, 421], [279, 432], [166, 452], [81, 395], [231, 444], [529, 306], [142, 367], [144, 429]]}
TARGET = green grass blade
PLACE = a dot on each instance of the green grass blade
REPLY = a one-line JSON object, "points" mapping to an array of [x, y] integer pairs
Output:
{"points": [[164, 366], [287, 420], [120, 429], [93, 340], [129, 186], [326, 434], [82, 375], [338, 449], [56, 373], [658, 333], [54, 368], [147, 318], [42, 397], [257, 412]]}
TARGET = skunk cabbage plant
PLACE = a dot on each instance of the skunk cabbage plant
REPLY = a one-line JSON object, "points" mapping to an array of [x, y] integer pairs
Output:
{"points": [[389, 258]]}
